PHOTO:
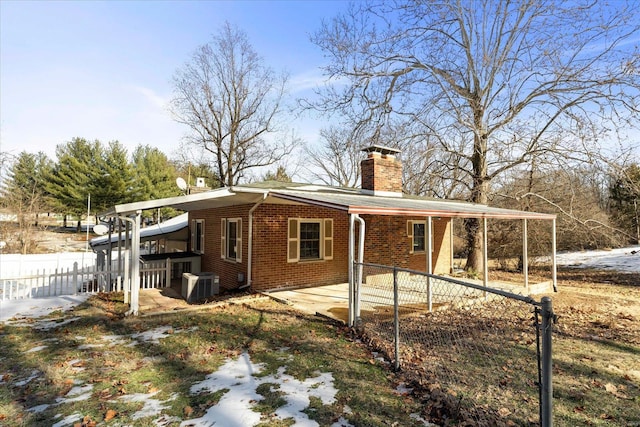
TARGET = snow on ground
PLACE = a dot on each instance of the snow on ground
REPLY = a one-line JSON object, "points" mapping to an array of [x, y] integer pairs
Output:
{"points": [[235, 408], [623, 259], [239, 376], [32, 308]]}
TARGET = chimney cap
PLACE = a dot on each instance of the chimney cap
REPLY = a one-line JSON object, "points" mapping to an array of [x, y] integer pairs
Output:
{"points": [[381, 149]]}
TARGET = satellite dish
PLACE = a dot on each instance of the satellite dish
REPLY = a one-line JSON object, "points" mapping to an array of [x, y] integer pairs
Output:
{"points": [[181, 183], [100, 229]]}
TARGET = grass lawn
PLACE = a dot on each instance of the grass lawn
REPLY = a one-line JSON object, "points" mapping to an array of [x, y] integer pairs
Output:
{"points": [[91, 366]]}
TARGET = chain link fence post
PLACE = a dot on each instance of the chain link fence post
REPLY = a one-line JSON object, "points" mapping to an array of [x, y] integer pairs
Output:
{"points": [[546, 399], [396, 318]]}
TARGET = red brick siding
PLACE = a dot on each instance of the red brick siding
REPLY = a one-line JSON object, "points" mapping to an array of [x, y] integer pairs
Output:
{"points": [[381, 174], [211, 260], [387, 243], [270, 266]]}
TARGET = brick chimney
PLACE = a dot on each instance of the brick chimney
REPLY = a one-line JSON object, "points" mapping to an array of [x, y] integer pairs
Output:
{"points": [[381, 171]]}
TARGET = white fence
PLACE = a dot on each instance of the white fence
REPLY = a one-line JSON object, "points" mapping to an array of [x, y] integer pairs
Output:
{"points": [[16, 265], [44, 282]]}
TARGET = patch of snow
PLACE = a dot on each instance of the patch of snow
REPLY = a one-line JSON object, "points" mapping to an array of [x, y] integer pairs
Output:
{"points": [[342, 422], [622, 259], [35, 349], [165, 421], [235, 408], [418, 418], [39, 408], [44, 325], [76, 394], [68, 421], [155, 335], [89, 346], [33, 376], [298, 394], [403, 389], [114, 339], [38, 307], [151, 406]]}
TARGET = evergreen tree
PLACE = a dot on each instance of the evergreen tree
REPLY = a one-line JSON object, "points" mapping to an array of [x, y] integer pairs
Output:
{"points": [[115, 180], [74, 175], [155, 175]]}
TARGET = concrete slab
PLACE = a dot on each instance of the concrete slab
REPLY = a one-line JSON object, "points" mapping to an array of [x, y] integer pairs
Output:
{"points": [[330, 300]]}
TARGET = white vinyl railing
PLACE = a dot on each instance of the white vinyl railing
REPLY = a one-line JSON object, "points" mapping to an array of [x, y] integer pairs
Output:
{"points": [[74, 280]]}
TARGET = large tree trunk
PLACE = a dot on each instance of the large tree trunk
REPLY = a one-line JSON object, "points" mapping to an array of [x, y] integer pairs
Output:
{"points": [[479, 194]]}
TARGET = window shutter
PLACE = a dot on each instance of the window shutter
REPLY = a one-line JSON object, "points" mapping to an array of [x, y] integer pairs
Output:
{"points": [[202, 237], [223, 238], [193, 235], [410, 235], [328, 239], [239, 241], [293, 247]]}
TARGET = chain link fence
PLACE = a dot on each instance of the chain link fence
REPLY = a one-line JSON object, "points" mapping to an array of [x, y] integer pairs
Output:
{"points": [[476, 355]]}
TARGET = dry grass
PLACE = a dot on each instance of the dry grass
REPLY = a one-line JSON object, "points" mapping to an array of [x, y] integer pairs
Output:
{"points": [[477, 366]]}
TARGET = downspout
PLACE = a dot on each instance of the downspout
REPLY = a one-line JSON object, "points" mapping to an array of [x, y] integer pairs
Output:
{"points": [[360, 261], [250, 243], [352, 244]]}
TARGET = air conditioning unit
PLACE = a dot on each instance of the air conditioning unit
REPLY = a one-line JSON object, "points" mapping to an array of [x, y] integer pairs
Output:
{"points": [[199, 286]]}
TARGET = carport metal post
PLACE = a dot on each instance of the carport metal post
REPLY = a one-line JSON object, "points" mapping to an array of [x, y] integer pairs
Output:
{"points": [[133, 278], [396, 318], [352, 240], [525, 254], [429, 263]]}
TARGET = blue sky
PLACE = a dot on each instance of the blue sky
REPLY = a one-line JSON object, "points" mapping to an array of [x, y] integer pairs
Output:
{"points": [[102, 70]]}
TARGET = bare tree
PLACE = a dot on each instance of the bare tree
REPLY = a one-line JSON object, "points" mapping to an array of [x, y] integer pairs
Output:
{"points": [[231, 101], [336, 161], [489, 83]]}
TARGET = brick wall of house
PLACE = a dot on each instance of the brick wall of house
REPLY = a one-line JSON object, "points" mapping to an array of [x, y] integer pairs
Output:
{"points": [[271, 269], [211, 259], [387, 243]]}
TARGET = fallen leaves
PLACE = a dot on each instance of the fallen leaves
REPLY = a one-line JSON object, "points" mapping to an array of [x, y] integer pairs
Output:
{"points": [[111, 414]]}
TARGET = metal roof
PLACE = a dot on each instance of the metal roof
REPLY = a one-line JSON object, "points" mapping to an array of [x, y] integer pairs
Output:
{"points": [[359, 203], [170, 226], [345, 199]]}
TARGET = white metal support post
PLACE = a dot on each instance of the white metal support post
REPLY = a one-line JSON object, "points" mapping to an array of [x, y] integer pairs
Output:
{"points": [[352, 240], [554, 261], [132, 279], [485, 255], [429, 263], [525, 254]]}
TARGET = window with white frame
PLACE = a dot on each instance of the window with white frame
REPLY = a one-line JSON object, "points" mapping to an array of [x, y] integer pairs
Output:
{"points": [[417, 231], [197, 236], [231, 239], [310, 239]]}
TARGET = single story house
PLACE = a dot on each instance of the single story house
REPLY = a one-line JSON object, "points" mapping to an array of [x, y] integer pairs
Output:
{"points": [[273, 235]]}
